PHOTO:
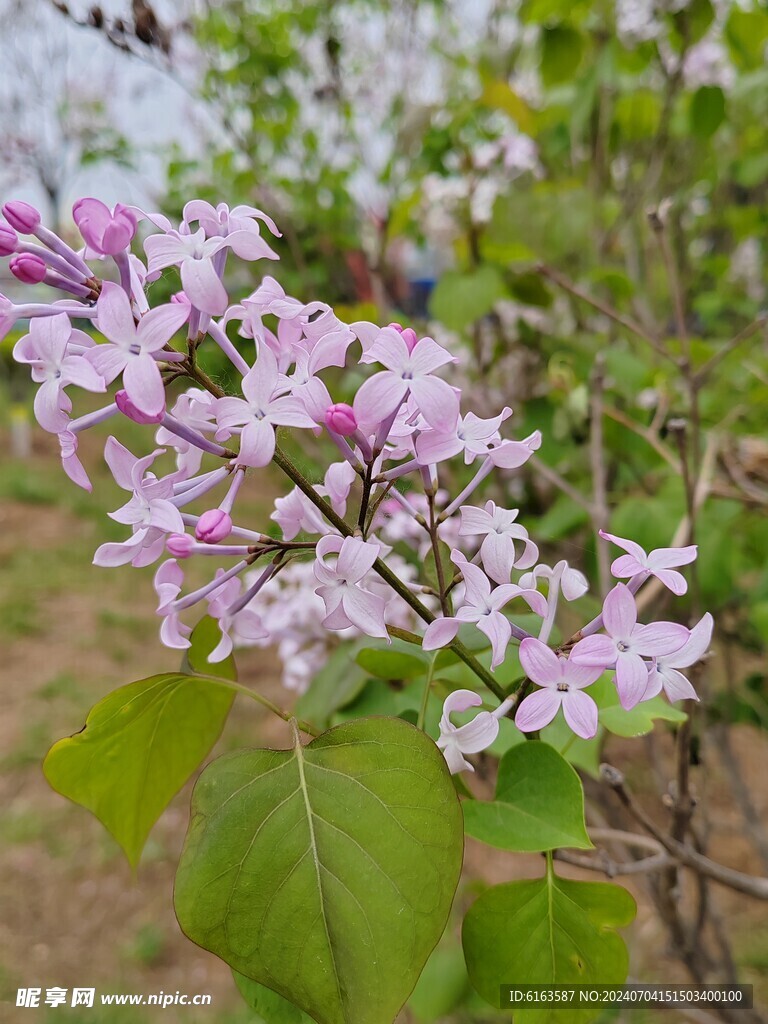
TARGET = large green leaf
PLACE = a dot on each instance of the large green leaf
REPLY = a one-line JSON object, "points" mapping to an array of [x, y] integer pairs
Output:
{"points": [[550, 931], [269, 1006], [325, 872], [636, 722], [141, 743], [539, 803]]}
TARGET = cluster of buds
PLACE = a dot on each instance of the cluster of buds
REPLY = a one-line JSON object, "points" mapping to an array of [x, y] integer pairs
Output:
{"points": [[345, 557]]}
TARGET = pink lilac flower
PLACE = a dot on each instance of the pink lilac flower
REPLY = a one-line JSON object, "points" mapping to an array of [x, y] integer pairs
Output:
{"points": [[149, 511], [482, 606], [573, 583], [239, 226], [408, 372], [562, 682], [627, 644], [132, 346], [260, 412], [168, 582], [659, 563], [472, 435], [245, 621], [47, 349], [106, 232], [664, 673], [195, 409], [457, 740], [346, 602], [294, 513], [499, 531], [193, 254], [70, 462]]}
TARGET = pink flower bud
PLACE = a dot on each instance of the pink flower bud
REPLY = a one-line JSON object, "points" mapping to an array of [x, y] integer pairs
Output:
{"points": [[27, 268], [108, 233], [180, 545], [127, 408], [9, 240], [22, 216], [213, 526], [410, 337], [340, 418]]}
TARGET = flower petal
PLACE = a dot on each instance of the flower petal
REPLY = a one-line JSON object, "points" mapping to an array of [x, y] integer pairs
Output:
{"points": [[144, 385], [537, 710], [440, 633], [620, 612], [631, 679], [580, 713], [540, 663]]}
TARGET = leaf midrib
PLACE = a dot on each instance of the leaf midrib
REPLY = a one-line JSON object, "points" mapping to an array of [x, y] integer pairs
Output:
{"points": [[299, 755]]}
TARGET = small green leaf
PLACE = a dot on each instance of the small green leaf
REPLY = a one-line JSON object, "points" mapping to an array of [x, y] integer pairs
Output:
{"points": [[539, 803], [269, 1006], [458, 300], [707, 111], [337, 684], [398, 660], [746, 33], [141, 743], [550, 931], [562, 48], [636, 722], [357, 836]]}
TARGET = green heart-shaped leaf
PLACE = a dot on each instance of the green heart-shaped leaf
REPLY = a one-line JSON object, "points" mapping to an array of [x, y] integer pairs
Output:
{"points": [[550, 931], [141, 743], [636, 722], [325, 872], [539, 803]]}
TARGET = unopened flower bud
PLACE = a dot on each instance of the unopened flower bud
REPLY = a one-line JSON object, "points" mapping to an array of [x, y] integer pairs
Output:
{"points": [[180, 545], [410, 337], [9, 240], [106, 232], [340, 418], [127, 408], [213, 526], [27, 268], [22, 216]]}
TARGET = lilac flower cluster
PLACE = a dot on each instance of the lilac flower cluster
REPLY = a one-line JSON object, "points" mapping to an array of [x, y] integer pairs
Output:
{"points": [[397, 444]]}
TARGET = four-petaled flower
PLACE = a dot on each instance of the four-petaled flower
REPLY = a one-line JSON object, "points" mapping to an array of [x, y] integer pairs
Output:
{"points": [[408, 372], [482, 606], [660, 563], [132, 346], [149, 510], [664, 674], [627, 644], [260, 412], [499, 531], [48, 350], [346, 602], [457, 740], [193, 255], [562, 683]]}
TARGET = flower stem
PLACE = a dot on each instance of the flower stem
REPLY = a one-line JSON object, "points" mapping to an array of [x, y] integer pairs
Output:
{"points": [[294, 473]]}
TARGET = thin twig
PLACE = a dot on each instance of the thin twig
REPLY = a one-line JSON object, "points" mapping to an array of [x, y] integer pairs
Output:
{"points": [[624, 321], [749, 885]]}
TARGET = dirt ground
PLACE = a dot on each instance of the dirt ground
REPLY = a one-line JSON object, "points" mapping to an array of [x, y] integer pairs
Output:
{"points": [[72, 913]]}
